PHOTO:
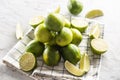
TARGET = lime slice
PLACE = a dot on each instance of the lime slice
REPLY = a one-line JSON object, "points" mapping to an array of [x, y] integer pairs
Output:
{"points": [[57, 10], [85, 63], [95, 32], [99, 46], [36, 20], [27, 61], [73, 69], [81, 25], [94, 13]]}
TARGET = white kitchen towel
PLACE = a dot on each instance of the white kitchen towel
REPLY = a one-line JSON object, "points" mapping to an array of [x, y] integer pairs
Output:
{"points": [[44, 72]]}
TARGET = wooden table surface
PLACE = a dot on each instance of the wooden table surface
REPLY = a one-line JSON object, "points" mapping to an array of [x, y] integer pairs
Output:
{"points": [[14, 11]]}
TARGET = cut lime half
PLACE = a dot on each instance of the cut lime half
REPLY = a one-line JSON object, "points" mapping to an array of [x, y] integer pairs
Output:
{"points": [[73, 69], [85, 63], [27, 61], [81, 25], [94, 13], [95, 32], [36, 20], [99, 46]]}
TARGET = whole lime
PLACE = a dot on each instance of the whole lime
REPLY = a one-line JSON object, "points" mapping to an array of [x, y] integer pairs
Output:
{"points": [[75, 7], [71, 53], [64, 37], [42, 34], [54, 22], [35, 47], [51, 56], [77, 36]]}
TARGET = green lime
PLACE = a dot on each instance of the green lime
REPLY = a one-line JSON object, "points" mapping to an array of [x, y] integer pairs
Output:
{"points": [[71, 53], [81, 25], [85, 62], [95, 32], [36, 20], [64, 37], [42, 34], [77, 36], [54, 22], [51, 56], [27, 61], [57, 10], [94, 13], [75, 7], [73, 69], [99, 46], [35, 47]]}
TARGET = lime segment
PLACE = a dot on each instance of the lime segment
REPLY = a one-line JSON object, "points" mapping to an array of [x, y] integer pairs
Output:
{"points": [[73, 69], [95, 32], [99, 46], [94, 13], [85, 63], [27, 61]]}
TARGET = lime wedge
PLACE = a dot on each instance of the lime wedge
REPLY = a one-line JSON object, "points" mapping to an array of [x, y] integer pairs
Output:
{"points": [[94, 13], [36, 20], [81, 25], [57, 10], [73, 69], [99, 46], [27, 61], [85, 63], [19, 31], [95, 32]]}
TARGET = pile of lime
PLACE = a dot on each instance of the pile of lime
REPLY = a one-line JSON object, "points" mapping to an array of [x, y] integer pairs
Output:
{"points": [[56, 37]]}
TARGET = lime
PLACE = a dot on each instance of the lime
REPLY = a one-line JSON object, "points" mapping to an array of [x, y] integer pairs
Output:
{"points": [[75, 7], [85, 63], [73, 69], [95, 32], [64, 37], [27, 61], [51, 56], [81, 25], [77, 36], [42, 34], [71, 53], [99, 46], [35, 47], [19, 31], [54, 22], [57, 10], [36, 20], [94, 13]]}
